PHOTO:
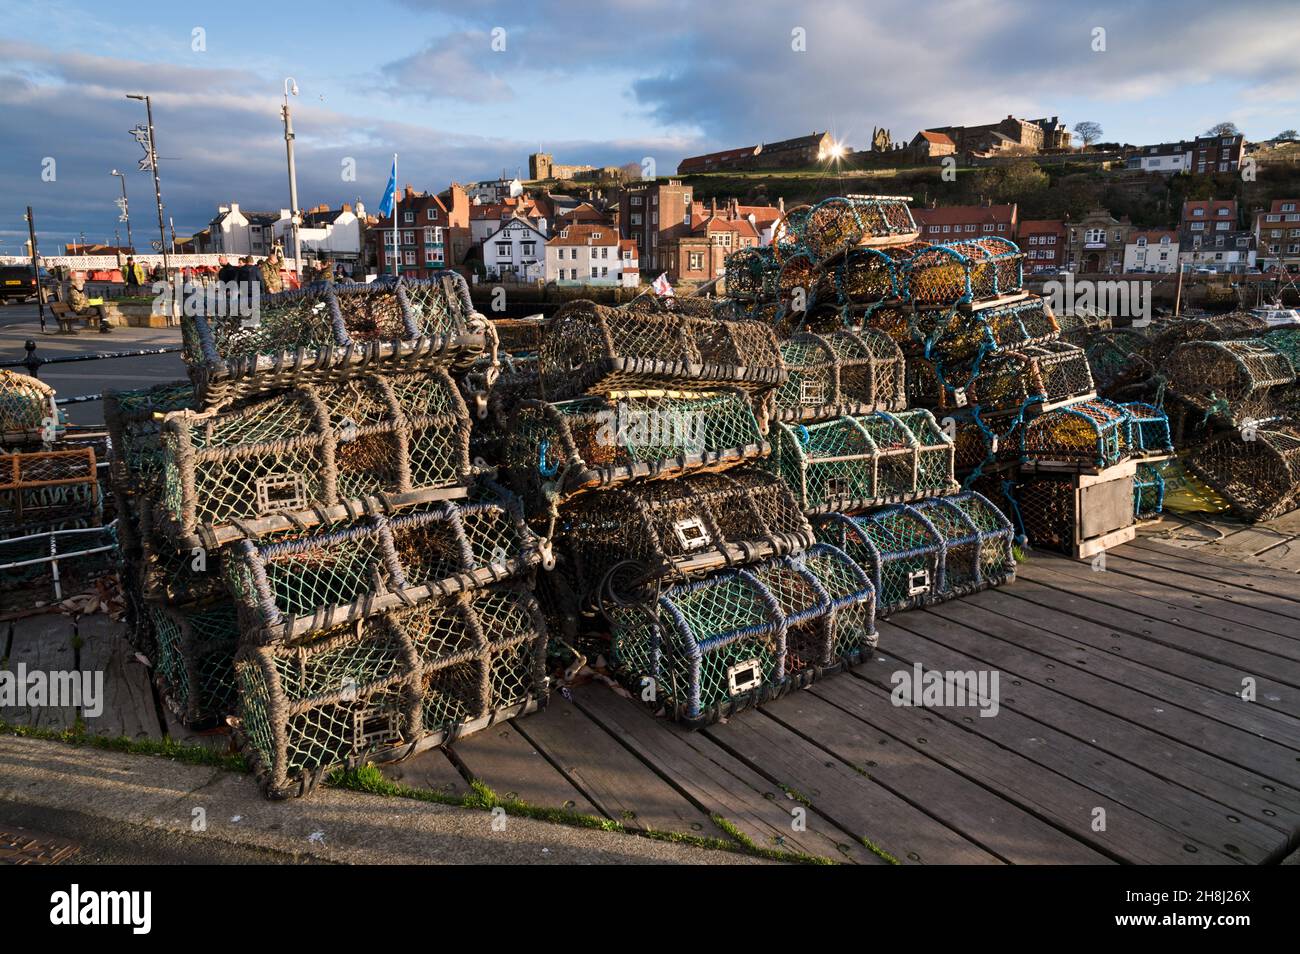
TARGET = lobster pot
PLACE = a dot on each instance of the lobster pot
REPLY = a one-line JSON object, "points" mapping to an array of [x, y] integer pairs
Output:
{"points": [[1086, 435], [304, 710], [194, 657], [837, 374], [169, 573], [1082, 327], [594, 349], [483, 659], [801, 283], [518, 381], [978, 442], [1148, 490], [48, 490], [399, 439], [1120, 359], [964, 333], [391, 684], [1147, 430], [838, 223], [1077, 514], [854, 462], [620, 539], [291, 588], [28, 414], [592, 442], [869, 275], [751, 274], [134, 423], [718, 645], [1260, 477], [333, 332], [934, 550], [1045, 375], [1233, 379], [519, 335], [951, 273], [1286, 341]]}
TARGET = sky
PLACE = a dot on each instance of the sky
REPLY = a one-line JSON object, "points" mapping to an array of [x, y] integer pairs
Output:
{"points": [[466, 90]]}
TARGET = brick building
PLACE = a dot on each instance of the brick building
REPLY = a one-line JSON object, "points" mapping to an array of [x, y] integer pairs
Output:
{"points": [[1043, 242], [1095, 243], [952, 222], [432, 233], [798, 152], [1277, 235], [700, 254], [652, 214]]}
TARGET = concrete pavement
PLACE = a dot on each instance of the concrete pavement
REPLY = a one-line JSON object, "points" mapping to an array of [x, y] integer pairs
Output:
{"points": [[136, 807], [19, 324]]}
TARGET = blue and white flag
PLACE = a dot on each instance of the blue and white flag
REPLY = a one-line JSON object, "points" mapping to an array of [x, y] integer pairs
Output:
{"points": [[386, 203]]}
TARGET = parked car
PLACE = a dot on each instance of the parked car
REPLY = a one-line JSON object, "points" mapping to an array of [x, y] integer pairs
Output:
{"points": [[17, 284]]}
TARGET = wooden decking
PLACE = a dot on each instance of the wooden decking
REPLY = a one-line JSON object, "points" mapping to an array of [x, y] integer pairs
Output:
{"points": [[1121, 733]]}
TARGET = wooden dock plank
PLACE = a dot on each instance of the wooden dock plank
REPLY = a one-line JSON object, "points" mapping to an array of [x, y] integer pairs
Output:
{"points": [[1219, 597], [1083, 704], [41, 644], [985, 817], [1208, 556], [1064, 802], [717, 782], [1180, 809], [1087, 624], [127, 707], [430, 770], [611, 778], [512, 767], [1221, 640], [1284, 556], [845, 797], [1237, 573]]}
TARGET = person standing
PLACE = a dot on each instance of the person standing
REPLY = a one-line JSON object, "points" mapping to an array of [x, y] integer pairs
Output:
{"points": [[133, 276]]}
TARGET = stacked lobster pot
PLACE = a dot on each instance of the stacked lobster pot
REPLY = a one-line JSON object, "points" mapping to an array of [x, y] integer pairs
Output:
{"points": [[1243, 395], [310, 554], [875, 481], [642, 468]]}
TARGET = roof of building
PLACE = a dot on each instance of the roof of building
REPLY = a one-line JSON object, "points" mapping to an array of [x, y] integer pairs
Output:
{"points": [[1153, 236], [964, 214], [798, 142], [1028, 226], [585, 234], [514, 221], [628, 245], [1277, 204], [937, 138], [1212, 208]]}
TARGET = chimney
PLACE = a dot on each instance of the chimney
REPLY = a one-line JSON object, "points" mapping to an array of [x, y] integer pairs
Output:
{"points": [[347, 207], [410, 192]]}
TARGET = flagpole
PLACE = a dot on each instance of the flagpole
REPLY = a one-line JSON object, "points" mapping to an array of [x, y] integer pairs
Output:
{"points": [[397, 251]]}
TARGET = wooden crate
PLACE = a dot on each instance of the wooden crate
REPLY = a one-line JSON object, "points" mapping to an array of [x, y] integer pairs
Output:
{"points": [[1078, 514]]}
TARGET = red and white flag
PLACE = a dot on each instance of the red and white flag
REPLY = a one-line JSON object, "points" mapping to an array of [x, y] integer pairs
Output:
{"points": [[662, 287]]}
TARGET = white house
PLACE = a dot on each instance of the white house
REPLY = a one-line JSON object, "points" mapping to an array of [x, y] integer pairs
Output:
{"points": [[236, 232], [591, 254], [324, 232], [515, 250], [1155, 250]]}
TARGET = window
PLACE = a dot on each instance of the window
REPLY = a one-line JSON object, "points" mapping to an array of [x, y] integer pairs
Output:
{"points": [[1243, 243], [1275, 233], [431, 214], [636, 200], [1119, 236], [636, 218], [1198, 226], [988, 228], [654, 218], [408, 258], [1002, 226], [1288, 206], [696, 261], [595, 235], [529, 248], [593, 271], [503, 249], [1142, 241], [1273, 218], [604, 271], [573, 274], [1094, 236], [1223, 211], [1221, 226], [1272, 249], [1051, 240], [408, 216], [408, 238], [970, 228], [945, 228], [1033, 240], [1198, 212], [428, 236], [1293, 249]]}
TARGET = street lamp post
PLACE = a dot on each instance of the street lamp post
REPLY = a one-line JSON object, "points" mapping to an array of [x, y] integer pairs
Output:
{"points": [[291, 88], [126, 210], [157, 186]]}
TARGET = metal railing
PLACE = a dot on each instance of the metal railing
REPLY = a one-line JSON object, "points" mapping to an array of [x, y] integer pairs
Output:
{"points": [[34, 362]]}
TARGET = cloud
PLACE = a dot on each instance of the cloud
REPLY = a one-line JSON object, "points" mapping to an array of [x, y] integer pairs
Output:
{"points": [[455, 67]]}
